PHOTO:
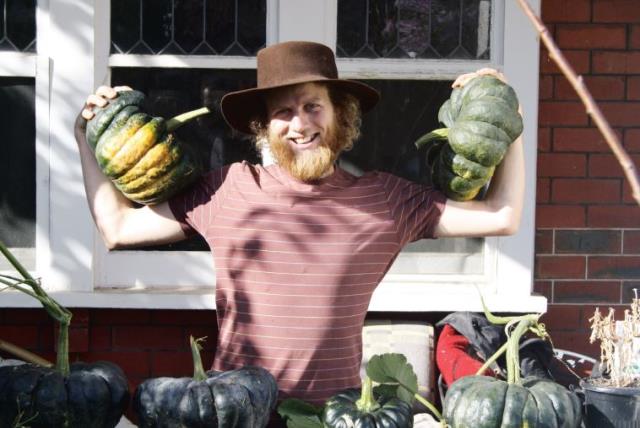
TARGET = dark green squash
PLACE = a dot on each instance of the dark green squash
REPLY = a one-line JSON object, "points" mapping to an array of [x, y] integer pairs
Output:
{"points": [[481, 120], [242, 398], [355, 408], [139, 153], [79, 395], [485, 402]]}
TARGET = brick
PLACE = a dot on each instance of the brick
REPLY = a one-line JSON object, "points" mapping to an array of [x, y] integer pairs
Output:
{"points": [[136, 337], [579, 140], [616, 11], [78, 339], [591, 36], [580, 61], [544, 139], [565, 113], [208, 332], [577, 190], [543, 288], [600, 87], [543, 190], [16, 316], [545, 87], [615, 62], [614, 267], [575, 342], [560, 216], [544, 241], [628, 292], [613, 216], [631, 239], [633, 88], [566, 11], [561, 165], [560, 267], [601, 165], [562, 317], [22, 336], [174, 363], [588, 241], [634, 40], [120, 316], [586, 292], [99, 338], [632, 140], [183, 317], [621, 113]]}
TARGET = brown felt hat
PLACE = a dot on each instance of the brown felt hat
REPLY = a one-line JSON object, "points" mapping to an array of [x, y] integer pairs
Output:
{"points": [[290, 63]]}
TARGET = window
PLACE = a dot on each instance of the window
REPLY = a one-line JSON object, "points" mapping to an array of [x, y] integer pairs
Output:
{"points": [[186, 53]]}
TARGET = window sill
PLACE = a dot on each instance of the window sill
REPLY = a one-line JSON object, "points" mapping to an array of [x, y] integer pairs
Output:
{"points": [[391, 298]]}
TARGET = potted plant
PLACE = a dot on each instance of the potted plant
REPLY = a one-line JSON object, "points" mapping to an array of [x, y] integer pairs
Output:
{"points": [[612, 393]]}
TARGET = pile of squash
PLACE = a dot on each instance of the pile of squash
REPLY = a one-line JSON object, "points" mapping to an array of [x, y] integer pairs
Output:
{"points": [[140, 153], [481, 120]]}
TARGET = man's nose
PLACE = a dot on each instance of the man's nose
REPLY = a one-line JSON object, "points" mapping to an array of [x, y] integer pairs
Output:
{"points": [[299, 122]]}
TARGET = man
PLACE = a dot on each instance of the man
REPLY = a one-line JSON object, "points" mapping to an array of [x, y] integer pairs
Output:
{"points": [[300, 245]]}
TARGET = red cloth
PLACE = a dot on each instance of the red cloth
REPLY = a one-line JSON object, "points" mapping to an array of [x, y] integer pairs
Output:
{"points": [[452, 356]]}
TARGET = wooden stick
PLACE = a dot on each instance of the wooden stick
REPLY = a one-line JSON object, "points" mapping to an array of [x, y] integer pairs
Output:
{"points": [[592, 109], [23, 354]]}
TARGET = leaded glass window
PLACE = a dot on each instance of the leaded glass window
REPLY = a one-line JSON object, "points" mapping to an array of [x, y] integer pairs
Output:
{"points": [[188, 27], [18, 25], [429, 29]]}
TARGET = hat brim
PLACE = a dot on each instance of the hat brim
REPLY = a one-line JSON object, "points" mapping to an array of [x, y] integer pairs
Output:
{"points": [[240, 108]]}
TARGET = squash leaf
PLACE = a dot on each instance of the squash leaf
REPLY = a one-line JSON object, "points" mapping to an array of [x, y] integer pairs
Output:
{"points": [[300, 414], [393, 368]]}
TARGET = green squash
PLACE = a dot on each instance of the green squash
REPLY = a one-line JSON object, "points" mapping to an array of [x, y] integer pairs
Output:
{"points": [[139, 153], [91, 395], [353, 408], [485, 402], [242, 398], [481, 120]]}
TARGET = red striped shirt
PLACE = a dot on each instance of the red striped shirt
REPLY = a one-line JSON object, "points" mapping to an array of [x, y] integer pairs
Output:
{"points": [[297, 263]]}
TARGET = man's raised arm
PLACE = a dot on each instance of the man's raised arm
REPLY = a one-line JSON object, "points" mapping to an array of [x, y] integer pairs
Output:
{"points": [[118, 220]]}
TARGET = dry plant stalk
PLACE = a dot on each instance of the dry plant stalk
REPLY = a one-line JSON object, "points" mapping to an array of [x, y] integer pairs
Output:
{"points": [[592, 108], [617, 340]]}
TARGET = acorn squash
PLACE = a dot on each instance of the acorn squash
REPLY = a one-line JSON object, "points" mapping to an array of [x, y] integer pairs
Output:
{"points": [[242, 398], [79, 395], [139, 153], [481, 120]]}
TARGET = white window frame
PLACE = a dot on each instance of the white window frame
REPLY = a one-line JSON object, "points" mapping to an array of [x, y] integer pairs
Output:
{"points": [[73, 261]]}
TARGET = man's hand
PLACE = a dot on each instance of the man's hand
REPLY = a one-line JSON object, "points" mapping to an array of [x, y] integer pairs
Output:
{"points": [[101, 98], [465, 78]]}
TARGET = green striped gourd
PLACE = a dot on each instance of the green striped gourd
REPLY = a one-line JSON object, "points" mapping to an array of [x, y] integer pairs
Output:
{"points": [[481, 120], [139, 153]]}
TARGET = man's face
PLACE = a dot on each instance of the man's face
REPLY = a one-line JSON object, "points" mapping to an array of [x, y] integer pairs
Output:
{"points": [[301, 133]]}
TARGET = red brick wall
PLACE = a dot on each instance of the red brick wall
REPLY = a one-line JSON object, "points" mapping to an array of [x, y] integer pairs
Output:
{"points": [[587, 225]]}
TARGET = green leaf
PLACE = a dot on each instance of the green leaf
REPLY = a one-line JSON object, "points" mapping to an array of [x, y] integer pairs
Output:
{"points": [[394, 368], [300, 414]]}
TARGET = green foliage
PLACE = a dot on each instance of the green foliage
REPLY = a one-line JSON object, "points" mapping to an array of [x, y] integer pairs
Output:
{"points": [[300, 414], [394, 369]]}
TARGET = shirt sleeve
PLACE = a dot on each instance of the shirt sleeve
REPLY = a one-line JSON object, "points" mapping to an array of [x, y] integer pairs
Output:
{"points": [[415, 208], [195, 207]]}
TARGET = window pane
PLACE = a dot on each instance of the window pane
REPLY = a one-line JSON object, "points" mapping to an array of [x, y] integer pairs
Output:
{"points": [[407, 110], [18, 25], [17, 168], [188, 27], [173, 91], [414, 29]]}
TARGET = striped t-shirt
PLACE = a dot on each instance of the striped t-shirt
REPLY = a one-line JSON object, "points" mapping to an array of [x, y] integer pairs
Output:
{"points": [[297, 263]]}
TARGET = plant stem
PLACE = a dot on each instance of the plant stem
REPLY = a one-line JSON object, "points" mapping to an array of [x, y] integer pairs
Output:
{"points": [[435, 135], [366, 403], [179, 120], [198, 370], [429, 406], [587, 99], [492, 359], [513, 347]]}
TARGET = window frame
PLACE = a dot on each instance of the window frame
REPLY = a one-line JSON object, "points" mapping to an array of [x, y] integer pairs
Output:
{"points": [[70, 255]]}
